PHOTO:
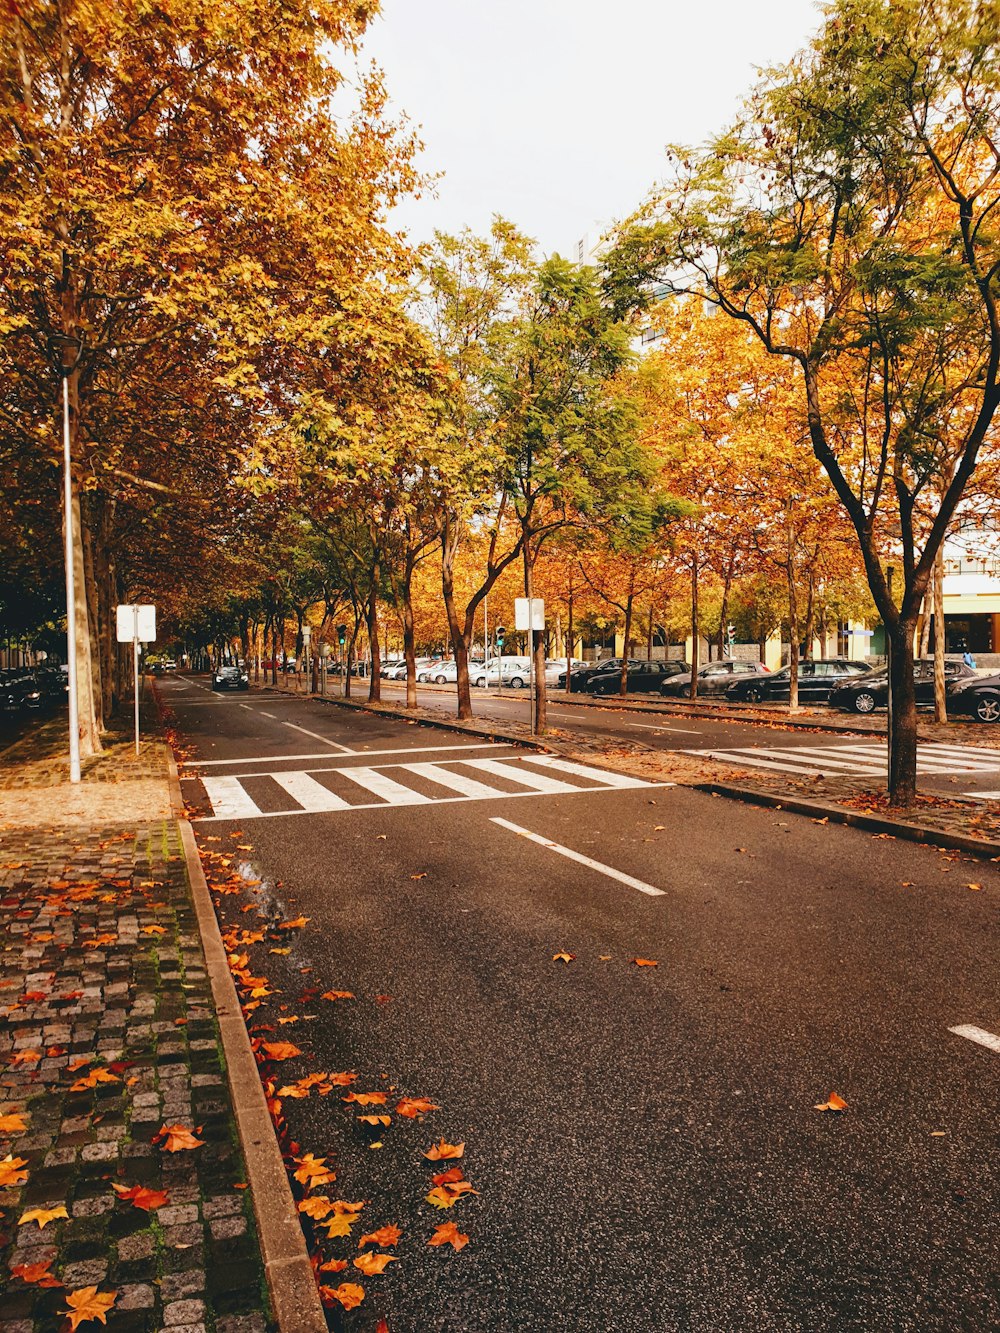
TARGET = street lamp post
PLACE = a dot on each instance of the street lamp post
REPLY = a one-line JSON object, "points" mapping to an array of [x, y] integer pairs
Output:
{"points": [[74, 703], [890, 570]]}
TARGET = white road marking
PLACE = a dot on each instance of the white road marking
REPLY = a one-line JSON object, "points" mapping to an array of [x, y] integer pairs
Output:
{"points": [[309, 793], [229, 799], [453, 781], [978, 1035], [404, 749], [641, 726], [344, 749], [601, 775], [863, 758], [601, 869], [270, 715], [524, 777], [983, 795], [381, 785]]}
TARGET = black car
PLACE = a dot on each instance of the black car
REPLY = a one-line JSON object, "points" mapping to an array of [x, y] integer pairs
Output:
{"points": [[816, 680], [977, 697], [869, 692], [715, 678], [579, 676], [642, 676], [231, 678]]}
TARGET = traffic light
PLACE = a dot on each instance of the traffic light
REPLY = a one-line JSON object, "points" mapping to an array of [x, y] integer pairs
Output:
{"points": [[342, 634], [501, 634]]}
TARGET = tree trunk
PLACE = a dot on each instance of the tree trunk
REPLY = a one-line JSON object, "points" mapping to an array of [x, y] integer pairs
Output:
{"points": [[623, 682], [903, 750], [649, 637], [793, 633], [940, 708], [808, 628], [90, 736], [569, 636], [449, 547], [409, 651], [694, 625], [375, 684]]}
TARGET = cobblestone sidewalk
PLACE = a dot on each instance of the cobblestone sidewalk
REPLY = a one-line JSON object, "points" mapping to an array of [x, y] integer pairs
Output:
{"points": [[108, 1047]]}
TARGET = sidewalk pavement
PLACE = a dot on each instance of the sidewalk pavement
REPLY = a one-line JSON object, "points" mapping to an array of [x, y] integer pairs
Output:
{"points": [[111, 1062]]}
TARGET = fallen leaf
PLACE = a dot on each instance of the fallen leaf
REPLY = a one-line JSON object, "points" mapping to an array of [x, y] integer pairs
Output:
{"points": [[976, 887], [334, 1266], [442, 1152], [421, 875], [384, 1236], [563, 957], [11, 1172], [316, 1207], [645, 962], [349, 1294], [448, 1234], [337, 995], [280, 1050], [37, 1274], [449, 1177], [279, 951], [938, 1133], [834, 1103], [366, 1098], [12, 1124], [92, 1079], [142, 1197], [338, 1225], [375, 1119], [341, 1080], [411, 1107], [154, 930], [297, 924], [43, 1216], [25, 1058], [88, 1303], [176, 1138], [373, 1264], [824, 820], [445, 1196], [312, 1170]]}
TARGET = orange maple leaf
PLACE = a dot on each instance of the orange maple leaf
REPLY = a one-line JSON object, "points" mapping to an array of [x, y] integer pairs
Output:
{"points": [[154, 930], [88, 1303], [293, 925], [279, 1050], [366, 1098], [449, 1177], [834, 1103], [43, 1216], [141, 1197], [176, 1137], [337, 995], [12, 1123], [349, 1294], [342, 1080], [563, 957], [312, 1170], [411, 1107], [11, 1172], [373, 1264], [375, 1119], [339, 1224], [92, 1079], [37, 1274], [316, 1207], [384, 1236], [334, 1266], [442, 1152], [446, 1196], [645, 962], [25, 1058], [448, 1234]]}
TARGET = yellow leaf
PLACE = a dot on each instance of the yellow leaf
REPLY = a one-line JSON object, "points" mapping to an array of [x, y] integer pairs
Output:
{"points": [[373, 1264], [88, 1303], [43, 1216], [834, 1103], [563, 957], [441, 1151]]}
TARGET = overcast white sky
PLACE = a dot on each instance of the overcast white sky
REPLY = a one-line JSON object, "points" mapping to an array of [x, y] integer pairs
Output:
{"points": [[555, 112]]}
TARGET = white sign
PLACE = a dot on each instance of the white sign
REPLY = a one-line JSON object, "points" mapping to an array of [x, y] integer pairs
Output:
{"points": [[537, 616], [136, 622]]}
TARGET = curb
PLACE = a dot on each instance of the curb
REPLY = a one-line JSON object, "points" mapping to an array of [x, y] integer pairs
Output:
{"points": [[837, 814], [294, 1299]]}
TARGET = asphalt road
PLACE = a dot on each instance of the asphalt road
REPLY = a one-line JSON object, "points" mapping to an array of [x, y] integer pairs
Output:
{"points": [[643, 1139]]}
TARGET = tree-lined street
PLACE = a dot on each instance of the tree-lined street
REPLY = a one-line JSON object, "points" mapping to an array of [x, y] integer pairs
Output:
{"points": [[643, 1139]]}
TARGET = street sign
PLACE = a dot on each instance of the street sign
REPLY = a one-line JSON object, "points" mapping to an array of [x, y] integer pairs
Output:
{"points": [[136, 622], [536, 619]]}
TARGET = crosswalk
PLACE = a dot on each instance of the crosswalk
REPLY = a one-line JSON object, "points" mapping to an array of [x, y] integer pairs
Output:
{"points": [[858, 759], [345, 787]]}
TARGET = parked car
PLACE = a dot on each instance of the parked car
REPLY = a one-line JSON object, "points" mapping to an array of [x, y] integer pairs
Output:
{"points": [[869, 692], [714, 678], [499, 671], [643, 677], [426, 673], [579, 676], [816, 680], [442, 673], [558, 666], [977, 697], [231, 678], [390, 664]]}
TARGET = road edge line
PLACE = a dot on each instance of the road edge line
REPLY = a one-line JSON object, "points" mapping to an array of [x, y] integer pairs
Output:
{"points": [[291, 1284], [837, 814]]}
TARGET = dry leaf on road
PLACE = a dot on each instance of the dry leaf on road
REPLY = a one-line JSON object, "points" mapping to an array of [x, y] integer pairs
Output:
{"points": [[373, 1264], [563, 957], [442, 1152], [833, 1103], [176, 1138], [645, 962], [384, 1236], [411, 1107], [43, 1216], [88, 1303], [448, 1234], [142, 1197]]}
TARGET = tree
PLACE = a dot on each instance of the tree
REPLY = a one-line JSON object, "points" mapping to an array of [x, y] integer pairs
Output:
{"points": [[847, 220]]}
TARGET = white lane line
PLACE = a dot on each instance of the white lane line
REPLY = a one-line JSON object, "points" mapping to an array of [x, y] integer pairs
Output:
{"points": [[522, 776], [229, 799], [381, 785], [324, 754], [603, 776], [270, 715], [601, 869], [983, 795], [309, 793], [642, 726], [442, 800], [344, 749], [978, 1035], [453, 781]]}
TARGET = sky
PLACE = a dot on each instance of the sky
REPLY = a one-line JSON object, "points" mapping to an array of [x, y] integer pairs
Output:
{"points": [[555, 113]]}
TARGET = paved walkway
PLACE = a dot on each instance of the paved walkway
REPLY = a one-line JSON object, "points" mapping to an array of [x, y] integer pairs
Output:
{"points": [[108, 1040]]}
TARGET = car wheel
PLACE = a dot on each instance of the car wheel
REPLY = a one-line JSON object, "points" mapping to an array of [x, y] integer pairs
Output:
{"points": [[864, 702], [754, 694], [440, 680], [988, 708], [516, 683], [480, 682]]}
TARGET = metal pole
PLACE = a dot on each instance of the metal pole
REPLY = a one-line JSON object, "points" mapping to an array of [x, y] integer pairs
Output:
{"points": [[74, 705], [888, 682], [135, 660], [486, 638]]}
